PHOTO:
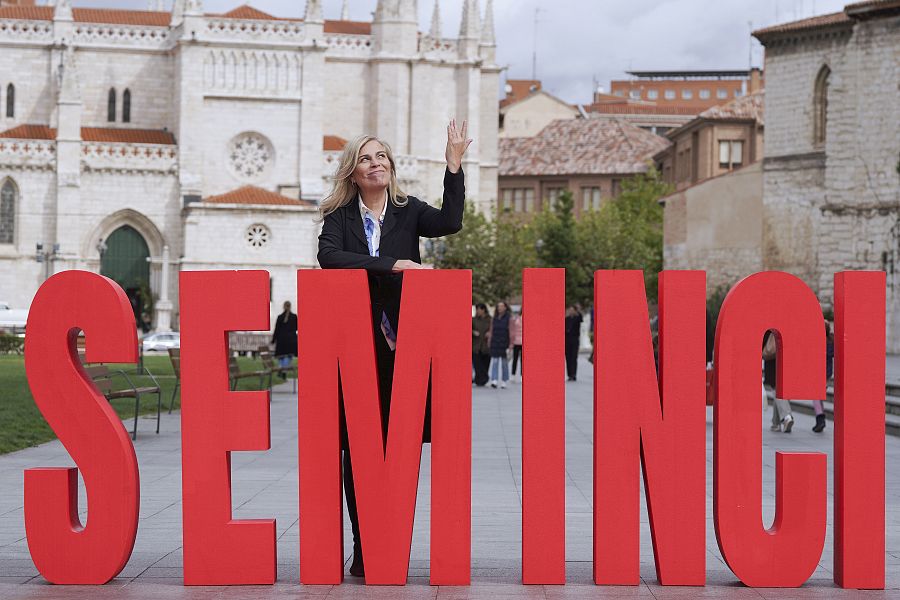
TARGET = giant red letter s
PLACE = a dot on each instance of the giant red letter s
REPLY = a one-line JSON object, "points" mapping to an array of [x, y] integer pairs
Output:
{"points": [[336, 341], [63, 550], [662, 425], [220, 550], [787, 554]]}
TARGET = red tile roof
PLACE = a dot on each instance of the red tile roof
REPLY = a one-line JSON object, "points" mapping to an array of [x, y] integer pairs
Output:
{"points": [[581, 147], [830, 20], [247, 12], [30, 132], [90, 15], [747, 107], [348, 27], [253, 195], [333, 143], [94, 134]]}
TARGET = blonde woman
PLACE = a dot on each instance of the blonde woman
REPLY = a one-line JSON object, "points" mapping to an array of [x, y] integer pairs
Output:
{"points": [[369, 223]]}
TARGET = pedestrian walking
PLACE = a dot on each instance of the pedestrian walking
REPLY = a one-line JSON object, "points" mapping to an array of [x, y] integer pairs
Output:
{"points": [[782, 417], [285, 338], [515, 333], [481, 348], [500, 343], [818, 406], [573, 338]]}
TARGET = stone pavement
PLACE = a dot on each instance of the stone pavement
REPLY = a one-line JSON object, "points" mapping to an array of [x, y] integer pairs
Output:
{"points": [[265, 485]]}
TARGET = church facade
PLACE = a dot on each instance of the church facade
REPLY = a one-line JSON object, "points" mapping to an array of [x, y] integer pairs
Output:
{"points": [[141, 143]]}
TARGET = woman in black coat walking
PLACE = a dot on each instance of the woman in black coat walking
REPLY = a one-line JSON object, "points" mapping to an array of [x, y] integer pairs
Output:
{"points": [[500, 344], [369, 223], [285, 337]]}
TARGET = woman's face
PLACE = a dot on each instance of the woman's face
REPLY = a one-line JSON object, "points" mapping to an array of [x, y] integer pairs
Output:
{"points": [[373, 169], [501, 308]]}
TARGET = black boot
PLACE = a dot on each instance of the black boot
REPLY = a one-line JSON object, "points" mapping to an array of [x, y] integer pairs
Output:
{"points": [[820, 424], [356, 567]]}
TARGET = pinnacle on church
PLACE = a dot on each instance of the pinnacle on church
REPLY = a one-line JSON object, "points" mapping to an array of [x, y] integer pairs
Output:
{"points": [[313, 11], [487, 26], [345, 11], [68, 77], [62, 11], [469, 26], [435, 31]]}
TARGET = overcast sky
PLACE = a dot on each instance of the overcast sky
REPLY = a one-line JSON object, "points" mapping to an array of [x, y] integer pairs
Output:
{"points": [[580, 41]]}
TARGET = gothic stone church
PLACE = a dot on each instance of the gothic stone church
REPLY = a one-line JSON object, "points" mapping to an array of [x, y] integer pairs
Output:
{"points": [[130, 139]]}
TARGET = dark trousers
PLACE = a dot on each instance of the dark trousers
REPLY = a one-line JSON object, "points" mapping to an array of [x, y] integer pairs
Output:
{"points": [[384, 359], [571, 357], [482, 362], [517, 355]]}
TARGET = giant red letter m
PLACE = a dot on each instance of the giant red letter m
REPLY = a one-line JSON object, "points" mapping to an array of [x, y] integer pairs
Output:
{"points": [[337, 352]]}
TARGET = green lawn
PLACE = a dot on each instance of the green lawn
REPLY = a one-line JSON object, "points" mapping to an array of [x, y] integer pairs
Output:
{"points": [[21, 424]]}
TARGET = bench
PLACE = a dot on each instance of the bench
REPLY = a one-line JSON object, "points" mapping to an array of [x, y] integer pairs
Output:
{"points": [[102, 377], [269, 361], [235, 374], [175, 357]]}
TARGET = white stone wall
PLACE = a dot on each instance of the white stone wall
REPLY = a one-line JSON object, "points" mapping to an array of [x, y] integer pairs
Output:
{"points": [[28, 69], [149, 77]]}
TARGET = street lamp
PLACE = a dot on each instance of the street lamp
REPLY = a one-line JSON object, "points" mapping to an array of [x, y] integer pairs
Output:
{"points": [[46, 257]]}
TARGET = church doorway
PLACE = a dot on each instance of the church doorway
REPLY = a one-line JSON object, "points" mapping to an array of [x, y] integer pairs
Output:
{"points": [[125, 262]]}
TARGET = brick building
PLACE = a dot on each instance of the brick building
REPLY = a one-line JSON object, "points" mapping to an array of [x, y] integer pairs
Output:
{"points": [[589, 157], [527, 109], [831, 174]]}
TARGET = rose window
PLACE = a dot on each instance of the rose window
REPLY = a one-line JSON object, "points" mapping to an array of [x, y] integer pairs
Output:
{"points": [[258, 235], [250, 156]]}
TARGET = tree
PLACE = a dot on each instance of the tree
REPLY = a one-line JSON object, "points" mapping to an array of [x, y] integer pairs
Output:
{"points": [[554, 232]]}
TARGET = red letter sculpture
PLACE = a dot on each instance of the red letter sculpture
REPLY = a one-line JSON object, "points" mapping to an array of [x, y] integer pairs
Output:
{"points": [[786, 554], [433, 337], [544, 428], [63, 550], [662, 425], [220, 550], [859, 305]]}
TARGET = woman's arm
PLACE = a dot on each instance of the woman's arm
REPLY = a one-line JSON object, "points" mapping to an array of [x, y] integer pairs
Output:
{"points": [[332, 254], [447, 220]]}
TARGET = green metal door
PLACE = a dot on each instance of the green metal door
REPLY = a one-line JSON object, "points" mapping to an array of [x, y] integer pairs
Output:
{"points": [[125, 262]]}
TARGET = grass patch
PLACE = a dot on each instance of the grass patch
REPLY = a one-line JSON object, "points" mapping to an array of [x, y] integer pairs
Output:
{"points": [[22, 425]]}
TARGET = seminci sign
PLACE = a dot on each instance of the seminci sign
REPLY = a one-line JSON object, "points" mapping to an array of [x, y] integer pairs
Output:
{"points": [[639, 420]]}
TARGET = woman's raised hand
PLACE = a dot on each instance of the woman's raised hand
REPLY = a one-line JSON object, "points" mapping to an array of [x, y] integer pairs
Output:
{"points": [[457, 144]]}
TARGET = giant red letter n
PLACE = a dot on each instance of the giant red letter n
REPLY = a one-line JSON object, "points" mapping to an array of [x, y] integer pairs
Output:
{"points": [[337, 349], [63, 550], [662, 425], [220, 550], [786, 554]]}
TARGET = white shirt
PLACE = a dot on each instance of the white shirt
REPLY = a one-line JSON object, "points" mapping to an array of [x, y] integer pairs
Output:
{"points": [[363, 211]]}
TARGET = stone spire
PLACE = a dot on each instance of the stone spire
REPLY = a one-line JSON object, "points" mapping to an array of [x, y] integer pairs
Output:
{"points": [[193, 7], [435, 31], [313, 11], [345, 11], [409, 11], [469, 26], [487, 26], [177, 13]]}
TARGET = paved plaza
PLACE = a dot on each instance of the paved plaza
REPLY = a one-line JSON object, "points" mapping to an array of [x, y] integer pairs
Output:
{"points": [[265, 486]]}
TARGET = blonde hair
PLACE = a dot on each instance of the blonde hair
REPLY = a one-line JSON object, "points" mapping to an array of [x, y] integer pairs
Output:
{"points": [[343, 190]]}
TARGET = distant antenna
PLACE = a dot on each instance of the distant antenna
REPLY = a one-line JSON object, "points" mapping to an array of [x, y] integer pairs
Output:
{"points": [[750, 45], [534, 46]]}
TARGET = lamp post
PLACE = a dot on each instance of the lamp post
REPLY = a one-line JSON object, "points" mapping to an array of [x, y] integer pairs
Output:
{"points": [[47, 257]]}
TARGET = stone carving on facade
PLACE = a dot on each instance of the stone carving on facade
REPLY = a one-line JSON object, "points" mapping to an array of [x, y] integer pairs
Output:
{"points": [[246, 30], [258, 235], [250, 156], [28, 154], [26, 31], [91, 34], [246, 72], [133, 158]]}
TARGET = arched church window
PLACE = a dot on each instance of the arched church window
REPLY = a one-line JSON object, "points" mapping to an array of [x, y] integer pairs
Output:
{"points": [[10, 101], [820, 106], [111, 106], [126, 106], [7, 212]]}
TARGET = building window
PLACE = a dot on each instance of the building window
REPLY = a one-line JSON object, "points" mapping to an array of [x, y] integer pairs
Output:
{"points": [[687, 94], [258, 235], [517, 200], [731, 153], [738, 93], [10, 101], [670, 94], [721, 94], [550, 196], [704, 94], [652, 94], [616, 187], [590, 198], [635, 94], [820, 106], [126, 106], [7, 212], [111, 105], [619, 93]]}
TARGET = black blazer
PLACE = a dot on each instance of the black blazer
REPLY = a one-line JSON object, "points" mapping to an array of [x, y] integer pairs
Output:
{"points": [[342, 243]]}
